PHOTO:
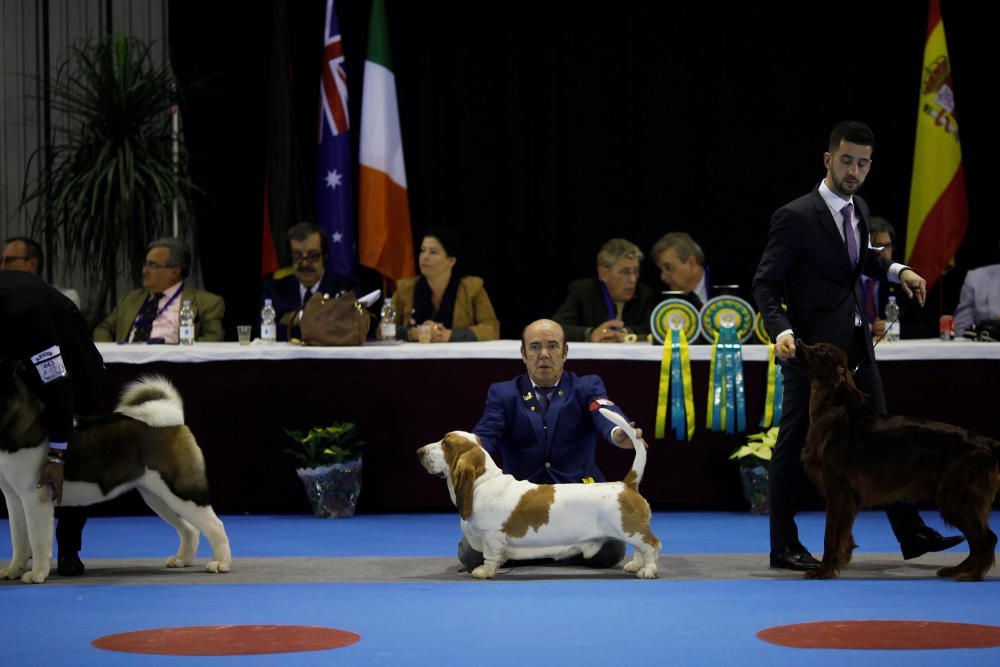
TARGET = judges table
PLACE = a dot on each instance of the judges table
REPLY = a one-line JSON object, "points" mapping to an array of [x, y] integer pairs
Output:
{"points": [[238, 401]]}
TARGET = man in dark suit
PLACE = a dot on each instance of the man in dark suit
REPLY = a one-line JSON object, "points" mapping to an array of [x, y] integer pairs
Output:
{"points": [[310, 250], [681, 262], [545, 425], [65, 371], [608, 307], [815, 255]]}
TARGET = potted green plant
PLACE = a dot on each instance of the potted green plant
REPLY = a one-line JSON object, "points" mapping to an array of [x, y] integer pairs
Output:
{"points": [[114, 169], [330, 467], [754, 458]]}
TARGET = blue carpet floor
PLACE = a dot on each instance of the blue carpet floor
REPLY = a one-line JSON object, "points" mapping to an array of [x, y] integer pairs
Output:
{"points": [[599, 622]]}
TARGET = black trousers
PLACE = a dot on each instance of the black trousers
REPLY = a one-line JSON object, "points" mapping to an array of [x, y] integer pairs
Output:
{"points": [[69, 529], [787, 479]]}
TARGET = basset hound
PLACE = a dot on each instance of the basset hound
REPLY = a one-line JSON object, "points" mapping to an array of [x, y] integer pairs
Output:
{"points": [[506, 518]]}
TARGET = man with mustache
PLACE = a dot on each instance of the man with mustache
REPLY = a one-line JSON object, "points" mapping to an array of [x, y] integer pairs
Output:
{"points": [[817, 250], [545, 425], [310, 251]]}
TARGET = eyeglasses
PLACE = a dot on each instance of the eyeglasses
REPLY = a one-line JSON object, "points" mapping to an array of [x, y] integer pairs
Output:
{"points": [[153, 266], [310, 257], [10, 259]]}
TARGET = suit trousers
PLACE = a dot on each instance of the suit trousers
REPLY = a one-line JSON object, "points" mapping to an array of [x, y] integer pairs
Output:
{"points": [[787, 480]]}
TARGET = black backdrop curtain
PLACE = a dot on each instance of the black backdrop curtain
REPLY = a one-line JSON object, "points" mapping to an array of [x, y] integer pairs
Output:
{"points": [[541, 129]]}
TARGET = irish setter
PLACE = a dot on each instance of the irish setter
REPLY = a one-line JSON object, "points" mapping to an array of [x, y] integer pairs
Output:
{"points": [[859, 458]]}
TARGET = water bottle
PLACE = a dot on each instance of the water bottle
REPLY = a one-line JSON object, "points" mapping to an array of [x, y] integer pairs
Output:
{"points": [[387, 320], [892, 320], [268, 332], [186, 335]]}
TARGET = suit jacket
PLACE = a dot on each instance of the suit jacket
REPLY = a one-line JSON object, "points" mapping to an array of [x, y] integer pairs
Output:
{"points": [[806, 266], [585, 308], [285, 297], [41, 321], [472, 319], [208, 311], [980, 298], [560, 449]]}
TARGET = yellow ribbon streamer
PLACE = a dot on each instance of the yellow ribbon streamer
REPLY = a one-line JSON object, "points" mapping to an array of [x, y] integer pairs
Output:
{"points": [[664, 392]]}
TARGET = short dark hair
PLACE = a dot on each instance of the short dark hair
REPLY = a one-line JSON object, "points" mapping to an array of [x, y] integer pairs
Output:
{"points": [[31, 247], [304, 230], [851, 130], [180, 254], [878, 224], [446, 236], [683, 245]]}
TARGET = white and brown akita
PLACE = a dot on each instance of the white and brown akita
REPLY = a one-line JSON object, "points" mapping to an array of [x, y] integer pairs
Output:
{"points": [[143, 445]]}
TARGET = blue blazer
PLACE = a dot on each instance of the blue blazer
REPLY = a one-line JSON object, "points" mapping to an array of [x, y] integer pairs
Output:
{"points": [[284, 294], [559, 450]]}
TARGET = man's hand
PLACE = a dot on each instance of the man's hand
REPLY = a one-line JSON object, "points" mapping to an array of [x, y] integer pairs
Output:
{"points": [[52, 474], [624, 441], [784, 348], [878, 328], [612, 331], [914, 286]]}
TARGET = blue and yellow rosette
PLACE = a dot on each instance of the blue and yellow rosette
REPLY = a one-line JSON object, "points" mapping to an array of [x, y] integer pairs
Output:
{"points": [[667, 312], [728, 321], [674, 322]]}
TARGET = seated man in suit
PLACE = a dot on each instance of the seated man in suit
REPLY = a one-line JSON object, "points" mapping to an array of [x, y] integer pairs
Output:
{"points": [[545, 425], [310, 252], [681, 262], [21, 253], [980, 298], [605, 308], [152, 312], [876, 293]]}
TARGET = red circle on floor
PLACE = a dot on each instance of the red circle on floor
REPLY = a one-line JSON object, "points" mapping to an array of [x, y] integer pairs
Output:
{"points": [[883, 635], [227, 640]]}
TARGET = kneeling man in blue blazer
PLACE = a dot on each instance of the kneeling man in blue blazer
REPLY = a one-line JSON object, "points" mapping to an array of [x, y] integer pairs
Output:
{"points": [[545, 425]]}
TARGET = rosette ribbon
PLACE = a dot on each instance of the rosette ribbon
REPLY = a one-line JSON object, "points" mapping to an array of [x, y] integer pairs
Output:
{"points": [[675, 385], [775, 386], [726, 394]]}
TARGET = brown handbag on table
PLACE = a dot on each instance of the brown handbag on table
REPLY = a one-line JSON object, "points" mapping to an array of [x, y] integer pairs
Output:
{"points": [[334, 321]]}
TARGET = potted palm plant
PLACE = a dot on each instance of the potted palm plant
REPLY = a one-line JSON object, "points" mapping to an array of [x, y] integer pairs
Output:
{"points": [[754, 458], [108, 178], [330, 467]]}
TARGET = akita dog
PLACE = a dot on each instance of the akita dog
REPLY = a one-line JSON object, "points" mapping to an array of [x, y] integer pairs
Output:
{"points": [[143, 445]]}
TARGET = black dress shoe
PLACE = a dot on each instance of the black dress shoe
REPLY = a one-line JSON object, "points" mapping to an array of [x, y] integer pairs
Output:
{"points": [[927, 540], [793, 559], [70, 565]]}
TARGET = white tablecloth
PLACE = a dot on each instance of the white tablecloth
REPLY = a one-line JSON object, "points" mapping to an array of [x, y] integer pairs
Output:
{"points": [[113, 353]]}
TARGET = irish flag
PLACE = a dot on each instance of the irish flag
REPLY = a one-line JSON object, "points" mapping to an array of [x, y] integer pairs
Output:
{"points": [[385, 239], [939, 211]]}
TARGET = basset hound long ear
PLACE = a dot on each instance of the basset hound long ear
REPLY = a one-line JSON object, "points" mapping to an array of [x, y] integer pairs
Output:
{"points": [[467, 462]]}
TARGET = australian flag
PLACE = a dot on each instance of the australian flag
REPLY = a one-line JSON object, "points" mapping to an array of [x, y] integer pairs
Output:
{"points": [[333, 158]]}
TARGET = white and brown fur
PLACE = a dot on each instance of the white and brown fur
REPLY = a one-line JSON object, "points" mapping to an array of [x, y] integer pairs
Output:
{"points": [[144, 445], [506, 518]]}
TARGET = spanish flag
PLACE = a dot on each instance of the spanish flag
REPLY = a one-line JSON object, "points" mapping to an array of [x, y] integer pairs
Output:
{"points": [[939, 210], [385, 238]]}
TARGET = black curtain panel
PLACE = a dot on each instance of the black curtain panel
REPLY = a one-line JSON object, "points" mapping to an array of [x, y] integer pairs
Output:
{"points": [[541, 129]]}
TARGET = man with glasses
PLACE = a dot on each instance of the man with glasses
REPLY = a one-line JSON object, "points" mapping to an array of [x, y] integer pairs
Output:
{"points": [[21, 253], [310, 250], [613, 306], [151, 313]]}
